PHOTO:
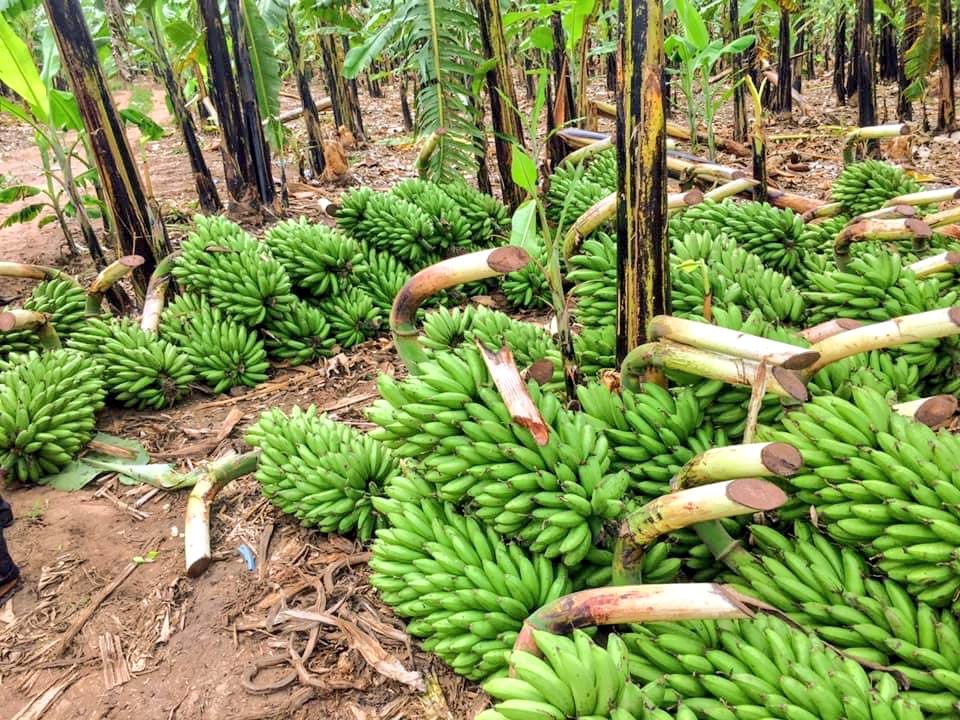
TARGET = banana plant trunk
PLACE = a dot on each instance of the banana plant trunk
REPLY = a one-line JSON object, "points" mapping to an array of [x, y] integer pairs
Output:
{"points": [[947, 109], [311, 117], [507, 126], [206, 189], [226, 101], [561, 101], [261, 173], [888, 51], [345, 112], [138, 230], [643, 270], [840, 58], [784, 63], [864, 60]]}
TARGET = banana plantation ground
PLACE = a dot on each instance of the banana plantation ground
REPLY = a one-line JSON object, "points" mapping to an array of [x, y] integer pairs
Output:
{"points": [[231, 644]]}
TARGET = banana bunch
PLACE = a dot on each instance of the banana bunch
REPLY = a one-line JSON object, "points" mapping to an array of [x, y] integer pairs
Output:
{"points": [[48, 407], [300, 335], [556, 498], [389, 223], [320, 261], [324, 473], [451, 228], [448, 329], [762, 668], [140, 369], [487, 217], [233, 270], [593, 270], [528, 286], [771, 234], [877, 370], [574, 189], [595, 349], [830, 590], [652, 433], [875, 286], [706, 262], [575, 678], [867, 185], [382, 278], [352, 316], [223, 352], [466, 591], [882, 482], [62, 300]]}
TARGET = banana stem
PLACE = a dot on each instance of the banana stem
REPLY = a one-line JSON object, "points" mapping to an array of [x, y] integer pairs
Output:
{"points": [[715, 366], [944, 217], [18, 319], [828, 329], [666, 513], [156, 294], [884, 230], [929, 325], [32, 272], [739, 461], [605, 210], [445, 274], [871, 132], [887, 213], [730, 342], [945, 261], [689, 170], [824, 211], [429, 147], [926, 197], [729, 189], [196, 528], [328, 207], [635, 604], [931, 411], [588, 151], [107, 278], [791, 201]]}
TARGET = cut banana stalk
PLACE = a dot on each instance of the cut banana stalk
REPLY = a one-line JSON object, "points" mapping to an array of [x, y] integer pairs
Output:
{"points": [[931, 411], [739, 461]]}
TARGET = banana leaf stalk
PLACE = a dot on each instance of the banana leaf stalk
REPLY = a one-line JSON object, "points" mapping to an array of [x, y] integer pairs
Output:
{"points": [[758, 143], [873, 132], [731, 342], [38, 322], [588, 151], [944, 262], [926, 197], [513, 390], [467, 268], [635, 604], [108, 277], [739, 461], [880, 230], [643, 249], [734, 187], [931, 411], [829, 328], [196, 528], [156, 294], [705, 363], [891, 212], [929, 325]]}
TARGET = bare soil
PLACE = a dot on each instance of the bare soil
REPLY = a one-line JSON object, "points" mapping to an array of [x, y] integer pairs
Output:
{"points": [[219, 646]]}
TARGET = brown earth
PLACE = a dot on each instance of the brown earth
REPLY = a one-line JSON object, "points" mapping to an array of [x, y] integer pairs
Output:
{"points": [[188, 644]]}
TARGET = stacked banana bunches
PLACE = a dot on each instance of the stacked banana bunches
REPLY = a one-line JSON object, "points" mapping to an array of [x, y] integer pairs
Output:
{"points": [[477, 525]]}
